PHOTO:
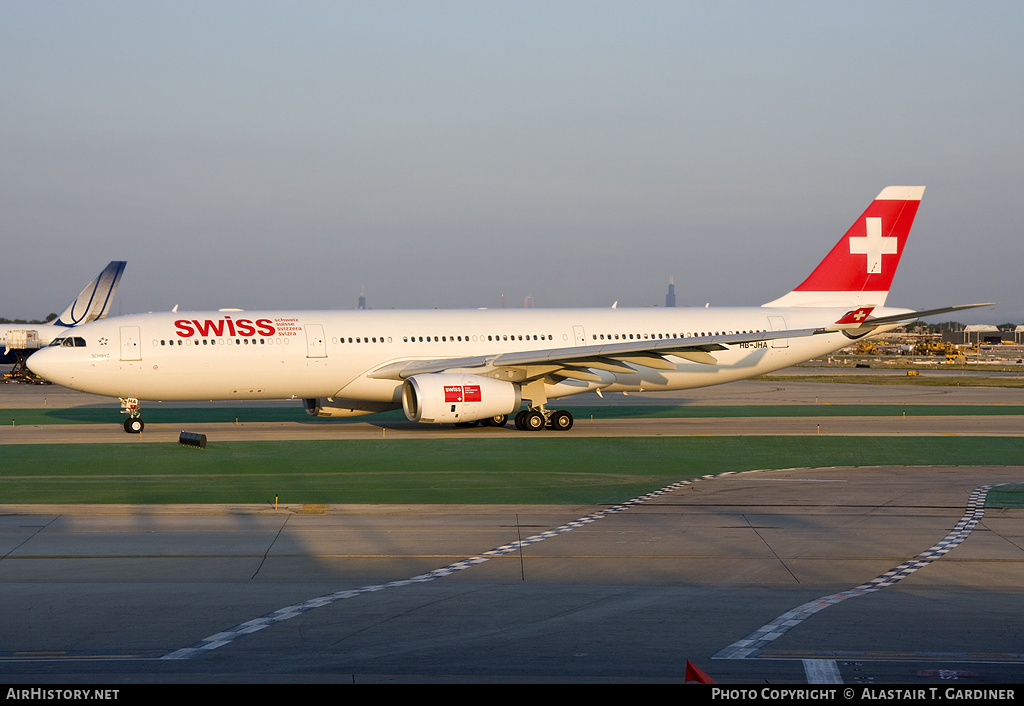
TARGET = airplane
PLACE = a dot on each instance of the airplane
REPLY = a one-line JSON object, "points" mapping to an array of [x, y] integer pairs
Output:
{"points": [[19, 340], [479, 366]]}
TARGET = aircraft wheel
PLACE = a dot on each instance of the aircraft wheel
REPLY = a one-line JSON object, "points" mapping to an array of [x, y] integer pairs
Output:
{"points": [[561, 421], [496, 421], [532, 421], [134, 425], [520, 425]]}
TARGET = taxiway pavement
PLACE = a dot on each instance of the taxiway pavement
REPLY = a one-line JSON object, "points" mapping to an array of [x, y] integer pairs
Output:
{"points": [[702, 572], [363, 594]]}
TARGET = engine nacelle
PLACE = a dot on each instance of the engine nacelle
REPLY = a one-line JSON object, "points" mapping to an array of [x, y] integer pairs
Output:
{"points": [[442, 398], [336, 407]]}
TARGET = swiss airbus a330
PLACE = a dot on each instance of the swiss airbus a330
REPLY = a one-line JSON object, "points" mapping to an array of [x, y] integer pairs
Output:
{"points": [[480, 366]]}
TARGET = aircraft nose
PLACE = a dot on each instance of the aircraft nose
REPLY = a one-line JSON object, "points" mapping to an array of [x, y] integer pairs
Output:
{"points": [[44, 363]]}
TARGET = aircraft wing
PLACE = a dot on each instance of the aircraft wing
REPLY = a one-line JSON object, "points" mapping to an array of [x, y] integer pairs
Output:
{"points": [[572, 361]]}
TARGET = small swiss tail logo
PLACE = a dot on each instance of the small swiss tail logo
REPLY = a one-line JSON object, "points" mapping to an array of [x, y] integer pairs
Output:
{"points": [[856, 318], [859, 269]]}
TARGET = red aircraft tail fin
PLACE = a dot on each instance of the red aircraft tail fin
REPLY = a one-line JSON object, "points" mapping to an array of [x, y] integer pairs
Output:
{"points": [[859, 269]]}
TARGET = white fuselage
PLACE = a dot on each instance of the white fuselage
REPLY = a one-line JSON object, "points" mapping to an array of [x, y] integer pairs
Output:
{"points": [[311, 354]]}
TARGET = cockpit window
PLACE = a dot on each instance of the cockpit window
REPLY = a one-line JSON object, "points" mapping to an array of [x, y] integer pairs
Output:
{"points": [[69, 342]]}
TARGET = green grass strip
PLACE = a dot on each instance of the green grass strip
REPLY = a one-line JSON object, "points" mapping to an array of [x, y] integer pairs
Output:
{"points": [[795, 410], [1006, 496], [185, 415], [522, 470]]}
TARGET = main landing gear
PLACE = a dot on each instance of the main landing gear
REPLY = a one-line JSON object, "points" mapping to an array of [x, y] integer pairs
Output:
{"points": [[539, 418], [133, 424], [533, 419]]}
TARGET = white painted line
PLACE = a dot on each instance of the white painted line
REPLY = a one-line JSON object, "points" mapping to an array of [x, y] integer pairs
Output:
{"points": [[755, 642], [225, 637], [822, 671]]}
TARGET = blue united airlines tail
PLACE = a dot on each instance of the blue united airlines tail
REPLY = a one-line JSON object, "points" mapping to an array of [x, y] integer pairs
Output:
{"points": [[94, 301]]}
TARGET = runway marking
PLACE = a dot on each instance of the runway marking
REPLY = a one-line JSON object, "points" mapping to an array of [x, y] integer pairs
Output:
{"points": [[822, 671], [753, 644], [228, 636], [747, 648]]}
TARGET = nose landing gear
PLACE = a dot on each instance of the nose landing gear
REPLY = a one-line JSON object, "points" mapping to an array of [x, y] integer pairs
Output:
{"points": [[130, 406]]}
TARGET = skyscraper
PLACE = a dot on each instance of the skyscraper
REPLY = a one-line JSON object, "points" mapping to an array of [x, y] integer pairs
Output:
{"points": [[670, 298]]}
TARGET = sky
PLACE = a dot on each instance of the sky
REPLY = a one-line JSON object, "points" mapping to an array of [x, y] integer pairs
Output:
{"points": [[268, 155]]}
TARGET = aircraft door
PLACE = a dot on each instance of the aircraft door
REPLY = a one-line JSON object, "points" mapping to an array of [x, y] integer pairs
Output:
{"points": [[778, 323], [316, 346], [130, 343], [581, 337]]}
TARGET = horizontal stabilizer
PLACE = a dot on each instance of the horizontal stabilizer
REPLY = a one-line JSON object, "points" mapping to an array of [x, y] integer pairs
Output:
{"points": [[847, 322]]}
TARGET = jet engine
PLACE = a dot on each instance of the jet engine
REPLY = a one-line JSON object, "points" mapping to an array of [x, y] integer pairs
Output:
{"points": [[451, 398]]}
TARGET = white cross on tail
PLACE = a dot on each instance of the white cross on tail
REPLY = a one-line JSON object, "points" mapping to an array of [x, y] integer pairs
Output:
{"points": [[873, 245]]}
